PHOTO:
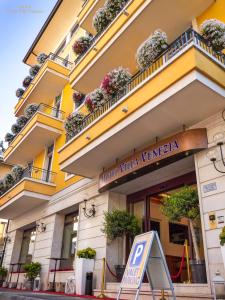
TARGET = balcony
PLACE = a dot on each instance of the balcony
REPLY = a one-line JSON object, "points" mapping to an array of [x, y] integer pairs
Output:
{"points": [[127, 31], [185, 85], [34, 188], [40, 132], [47, 84]]}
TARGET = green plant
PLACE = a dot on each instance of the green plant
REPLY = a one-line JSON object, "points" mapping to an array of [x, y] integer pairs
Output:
{"points": [[151, 48], [15, 129], [2, 187], [82, 44], [183, 204], [34, 70], [213, 31], [88, 253], [3, 272], [17, 172], [19, 92], [41, 58], [21, 121], [119, 224], [30, 110], [113, 8], [32, 270], [8, 181], [72, 124], [95, 99], [9, 137], [100, 20], [27, 80], [222, 236]]}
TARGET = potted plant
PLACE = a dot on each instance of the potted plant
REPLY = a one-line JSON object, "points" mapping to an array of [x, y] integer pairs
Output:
{"points": [[84, 264], [78, 98], [8, 181], [41, 58], [3, 274], [17, 173], [72, 124], [32, 271], [19, 92], [27, 80], [82, 44], [151, 48], [100, 20], [222, 244], [95, 99], [21, 121], [185, 204], [213, 31], [120, 224], [30, 110], [34, 70], [113, 8], [9, 137], [115, 81], [15, 129]]}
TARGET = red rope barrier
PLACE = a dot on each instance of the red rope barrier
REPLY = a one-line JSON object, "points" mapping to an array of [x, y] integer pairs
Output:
{"points": [[110, 271], [181, 266]]}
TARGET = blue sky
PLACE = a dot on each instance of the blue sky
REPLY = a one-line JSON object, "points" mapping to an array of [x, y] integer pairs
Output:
{"points": [[20, 22]]}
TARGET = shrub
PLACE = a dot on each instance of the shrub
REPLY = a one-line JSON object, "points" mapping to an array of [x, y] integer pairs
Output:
{"points": [[72, 123], [41, 58], [9, 137], [82, 44], [222, 236], [151, 48], [19, 92], [21, 121], [113, 7], [17, 172], [15, 129], [78, 98], [30, 110], [95, 99], [115, 81], [32, 270], [34, 70], [88, 253], [27, 80], [8, 181], [100, 20], [213, 31]]}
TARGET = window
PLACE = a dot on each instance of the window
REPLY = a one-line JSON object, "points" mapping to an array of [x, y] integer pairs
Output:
{"points": [[61, 47], [155, 225], [48, 164], [74, 29], [27, 247], [57, 104], [69, 242], [178, 233]]}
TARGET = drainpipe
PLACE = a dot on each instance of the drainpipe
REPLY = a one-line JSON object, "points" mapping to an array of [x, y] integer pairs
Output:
{"points": [[5, 242]]}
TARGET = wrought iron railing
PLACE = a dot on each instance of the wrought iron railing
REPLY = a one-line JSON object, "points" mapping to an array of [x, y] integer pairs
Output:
{"points": [[61, 61], [51, 111], [189, 37]]}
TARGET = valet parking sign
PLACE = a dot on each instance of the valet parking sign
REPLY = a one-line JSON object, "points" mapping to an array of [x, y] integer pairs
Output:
{"points": [[147, 256]]}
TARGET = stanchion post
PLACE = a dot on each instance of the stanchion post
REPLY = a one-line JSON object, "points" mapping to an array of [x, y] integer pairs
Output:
{"points": [[187, 260], [102, 295]]}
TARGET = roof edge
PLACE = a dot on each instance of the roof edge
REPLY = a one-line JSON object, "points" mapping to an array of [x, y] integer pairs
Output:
{"points": [[51, 15]]}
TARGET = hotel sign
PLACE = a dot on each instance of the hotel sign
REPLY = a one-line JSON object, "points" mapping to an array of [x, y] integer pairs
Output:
{"points": [[154, 157]]}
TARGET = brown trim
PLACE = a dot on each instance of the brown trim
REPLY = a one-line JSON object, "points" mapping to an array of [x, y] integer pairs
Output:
{"points": [[51, 15]]}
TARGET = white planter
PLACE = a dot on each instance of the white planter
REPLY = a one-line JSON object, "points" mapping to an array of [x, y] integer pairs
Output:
{"points": [[83, 266], [223, 254]]}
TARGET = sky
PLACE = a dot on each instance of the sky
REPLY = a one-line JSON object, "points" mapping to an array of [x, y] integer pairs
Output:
{"points": [[20, 22]]}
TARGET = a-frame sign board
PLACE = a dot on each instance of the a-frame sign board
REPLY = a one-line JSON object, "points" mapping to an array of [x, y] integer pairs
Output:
{"points": [[147, 255]]}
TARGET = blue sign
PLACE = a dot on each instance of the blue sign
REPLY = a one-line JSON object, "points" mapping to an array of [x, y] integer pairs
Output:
{"points": [[137, 256]]}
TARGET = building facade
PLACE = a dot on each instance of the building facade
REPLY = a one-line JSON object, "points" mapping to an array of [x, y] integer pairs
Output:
{"points": [[157, 134]]}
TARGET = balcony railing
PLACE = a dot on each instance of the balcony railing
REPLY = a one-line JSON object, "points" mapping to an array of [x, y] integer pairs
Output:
{"points": [[177, 47], [42, 175], [61, 61]]}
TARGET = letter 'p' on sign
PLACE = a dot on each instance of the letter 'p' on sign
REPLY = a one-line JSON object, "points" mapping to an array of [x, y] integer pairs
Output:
{"points": [[138, 254]]}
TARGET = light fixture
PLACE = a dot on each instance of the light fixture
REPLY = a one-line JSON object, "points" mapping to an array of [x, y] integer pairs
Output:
{"points": [[89, 212], [213, 155], [124, 109], [41, 227]]}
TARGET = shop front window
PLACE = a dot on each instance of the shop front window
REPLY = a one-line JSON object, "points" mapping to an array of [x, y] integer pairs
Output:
{"points": [[69, 243], [28, 245]]}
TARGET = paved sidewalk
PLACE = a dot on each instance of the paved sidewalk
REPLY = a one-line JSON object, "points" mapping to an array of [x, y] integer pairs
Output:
{"points": [[22, 295]]}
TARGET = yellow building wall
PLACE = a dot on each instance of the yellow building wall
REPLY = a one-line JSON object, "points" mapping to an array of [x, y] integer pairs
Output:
{"points": [[215, 11]]}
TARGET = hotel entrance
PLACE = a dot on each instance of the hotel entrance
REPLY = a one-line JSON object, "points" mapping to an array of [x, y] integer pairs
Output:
{"points": [[147, 206]]}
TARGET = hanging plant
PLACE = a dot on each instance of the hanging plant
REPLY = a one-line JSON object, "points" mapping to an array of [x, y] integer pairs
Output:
{"points": [[213, 31], [34, 70], [9, 137], [95, 99], [8, 181], [113, 8], [72, 124], [100, 20], [82, 44], [15, 129], [151, 48], [78, 98], [19, 92], [30, 110], [21, 121], [27, 80], [17, 173], [115, 81], [41, 58]]}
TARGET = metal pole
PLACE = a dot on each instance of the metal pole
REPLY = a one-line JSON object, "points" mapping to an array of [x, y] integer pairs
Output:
{"points": [[188, 262], [102, 295]]}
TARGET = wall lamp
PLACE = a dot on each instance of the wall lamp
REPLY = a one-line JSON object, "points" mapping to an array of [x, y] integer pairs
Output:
{"points": [[89, 212], [213, 155], [41, 227]]}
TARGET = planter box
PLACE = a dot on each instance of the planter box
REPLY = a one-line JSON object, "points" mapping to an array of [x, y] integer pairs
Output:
{"points": [[83, 266]]}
